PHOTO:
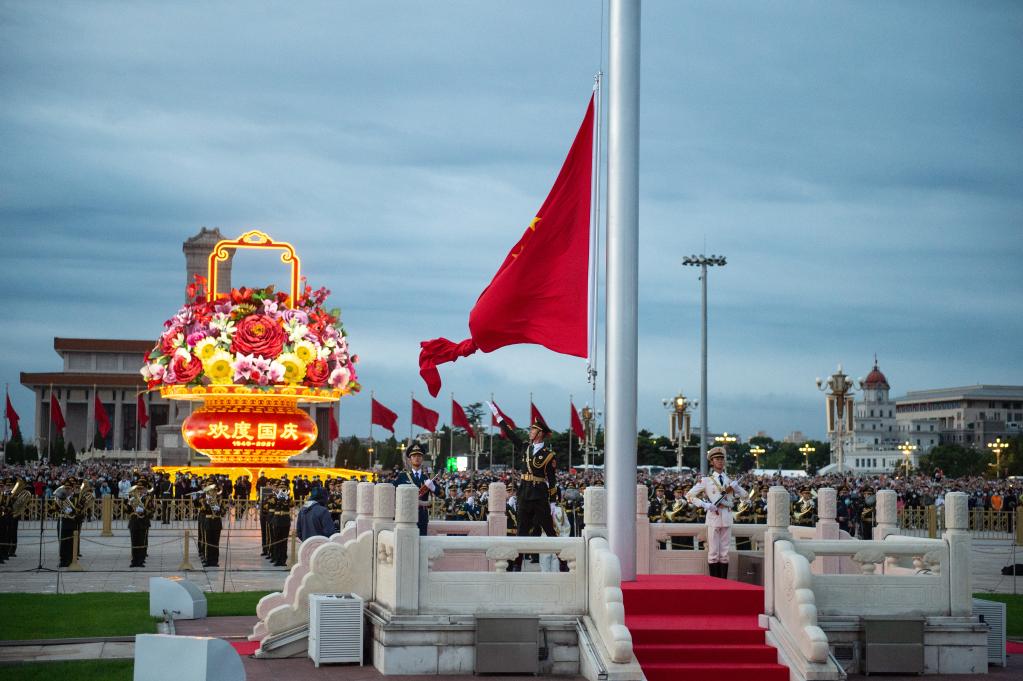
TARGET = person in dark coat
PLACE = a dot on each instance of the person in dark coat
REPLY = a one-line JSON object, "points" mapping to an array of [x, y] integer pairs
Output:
{"points": [[314, 517]]}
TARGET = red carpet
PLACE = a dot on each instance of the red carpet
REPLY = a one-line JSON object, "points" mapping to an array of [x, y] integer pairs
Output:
{"points": [[244, 648], [690, 626], [1014, 648]]}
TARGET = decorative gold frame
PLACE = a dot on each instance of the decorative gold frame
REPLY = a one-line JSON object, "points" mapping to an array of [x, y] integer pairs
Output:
{"points": [[255, 239]]}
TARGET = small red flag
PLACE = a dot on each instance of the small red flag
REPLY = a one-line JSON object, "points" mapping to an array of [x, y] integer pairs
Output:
{"points": [[535, 416], [140, 410], [102, 419], [12, 416], [577, 424], [382, 416], [539, 294], [334, 432], [423, 417], [459, 419], [56, 415]]}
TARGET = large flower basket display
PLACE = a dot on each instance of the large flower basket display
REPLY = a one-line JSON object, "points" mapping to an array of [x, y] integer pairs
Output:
{"points": [[250, 358]]}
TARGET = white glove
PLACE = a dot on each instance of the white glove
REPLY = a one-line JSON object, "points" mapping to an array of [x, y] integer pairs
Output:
{"points": [[493, 410], [139, 510], [708, 507], [430, 486], [554, 510]]}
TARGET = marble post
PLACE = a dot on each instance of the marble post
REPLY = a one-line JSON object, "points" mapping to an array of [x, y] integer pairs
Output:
{"points": [[594, 513], [642, 532], [887, 514], [497, 510], [778, 508], [957, 534], [406, 550], [827, 528], [383, 507], [364, 508], [349, 494]]}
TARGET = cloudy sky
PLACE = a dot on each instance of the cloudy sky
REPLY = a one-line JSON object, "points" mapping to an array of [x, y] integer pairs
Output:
{"points": [[859, 163]]}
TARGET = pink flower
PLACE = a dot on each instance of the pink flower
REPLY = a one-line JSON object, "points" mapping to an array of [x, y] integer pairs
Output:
{"points": [[340, 377], [195, 337]]}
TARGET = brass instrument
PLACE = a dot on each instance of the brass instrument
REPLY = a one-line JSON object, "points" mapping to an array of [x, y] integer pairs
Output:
{"points": [[20, 498], [804, 512], [675, 515], [65, 500], [140, 500]]}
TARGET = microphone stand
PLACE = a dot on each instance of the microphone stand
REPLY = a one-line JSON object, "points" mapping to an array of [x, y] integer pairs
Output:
{"points": [[42, 527]]}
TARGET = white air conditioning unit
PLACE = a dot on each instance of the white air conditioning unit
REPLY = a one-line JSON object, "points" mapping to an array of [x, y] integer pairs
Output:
{"points": [[993, 614], [335, 628]]}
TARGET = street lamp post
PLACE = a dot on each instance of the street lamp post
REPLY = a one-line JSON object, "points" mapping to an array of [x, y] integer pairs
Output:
{"points": [[757, 451], [806, 450], [587, 416], [370, 451], [838, 390], [998, 447], [679, 424], [907, 448], [703, 262]]}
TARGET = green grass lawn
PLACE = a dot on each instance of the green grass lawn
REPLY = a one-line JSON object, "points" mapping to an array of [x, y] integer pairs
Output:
{"points": [[1013, 612], [36, 616], [79, 670]]}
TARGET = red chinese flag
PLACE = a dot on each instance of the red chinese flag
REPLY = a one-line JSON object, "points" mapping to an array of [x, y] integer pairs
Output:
{"points": [[535, 416], [56, 415], [12, 416], [539, 294], [140, 410], [382, 416], [493, 420], [577, 424], [423, 417], [334, 432], [102, 419], [459, 419]]}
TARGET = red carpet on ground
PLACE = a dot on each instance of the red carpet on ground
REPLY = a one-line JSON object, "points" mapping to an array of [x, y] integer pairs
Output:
{"points": [[1014, 648], [245, 647], [685, 626]]}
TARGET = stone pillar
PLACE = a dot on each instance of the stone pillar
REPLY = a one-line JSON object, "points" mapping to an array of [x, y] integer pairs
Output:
{"points": [[887, 514], [643, 547], [364, 507], [119, 422], [497, 510], [197, 258], [594, 513], [90, 419], [383, 507], [957, 535], [349, 494], [827, 528], [406, 550], [778, 508]]}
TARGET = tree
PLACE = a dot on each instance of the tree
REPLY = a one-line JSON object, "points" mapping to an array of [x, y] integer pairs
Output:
{"points": [[956, 461]]}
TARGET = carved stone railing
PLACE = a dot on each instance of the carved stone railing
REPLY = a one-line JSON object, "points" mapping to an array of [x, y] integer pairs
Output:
{"points": [[795, 603], [606, 607]]}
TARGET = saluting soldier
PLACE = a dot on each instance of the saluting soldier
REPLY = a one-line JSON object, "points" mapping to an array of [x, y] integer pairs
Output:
{"points": [[539, 480], [719, 492]]}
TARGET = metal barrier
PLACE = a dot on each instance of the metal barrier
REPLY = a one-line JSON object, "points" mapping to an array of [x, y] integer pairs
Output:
{"points": [[242, 514]]}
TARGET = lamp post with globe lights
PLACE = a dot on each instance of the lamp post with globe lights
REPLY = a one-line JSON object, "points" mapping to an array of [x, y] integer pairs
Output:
{"points": [[838, 389], [703, 262], [757, 451], [998, 447], [679, 423], [806, 450], [907, 448]]}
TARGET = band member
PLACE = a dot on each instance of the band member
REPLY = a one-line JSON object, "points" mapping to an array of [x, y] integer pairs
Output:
{"points": [[68, 515], [415, 475], [804, 507], [719, 492], [140, 511], [281, 525], [681, 511], [658, 505], [266, 503], [211, 512], [539, 482]]}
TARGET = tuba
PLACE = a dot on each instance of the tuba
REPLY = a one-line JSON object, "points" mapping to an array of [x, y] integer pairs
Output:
{"points": [[65, 500], [21, 497]]}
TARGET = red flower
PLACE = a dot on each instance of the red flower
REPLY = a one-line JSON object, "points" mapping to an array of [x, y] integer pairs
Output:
{"points": [[259, 335], [186, 369], [167, 340], [317, 372], [241, 295]]}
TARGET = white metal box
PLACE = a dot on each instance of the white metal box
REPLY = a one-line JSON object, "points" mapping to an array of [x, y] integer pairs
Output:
{"points": [[335, 628]]}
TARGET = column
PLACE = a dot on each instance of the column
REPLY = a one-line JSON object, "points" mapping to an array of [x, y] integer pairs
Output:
{"points": [[119, 420], [497, 510]]}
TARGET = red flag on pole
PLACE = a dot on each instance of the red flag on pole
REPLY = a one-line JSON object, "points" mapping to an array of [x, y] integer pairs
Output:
{"points": [[539, 294], [334, 432], [102, 419], [459, 419], [423, 417], [382, 416], [577, 423], [56, 415], [140, 409], [535, 416], [493, 420], [12, 416]]}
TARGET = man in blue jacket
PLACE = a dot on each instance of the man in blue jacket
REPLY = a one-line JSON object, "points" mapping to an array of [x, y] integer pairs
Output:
{"points": [[314, 518]]}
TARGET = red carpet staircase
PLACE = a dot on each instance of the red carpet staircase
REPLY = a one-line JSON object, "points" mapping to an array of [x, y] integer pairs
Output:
{"points": [[699, 627]]}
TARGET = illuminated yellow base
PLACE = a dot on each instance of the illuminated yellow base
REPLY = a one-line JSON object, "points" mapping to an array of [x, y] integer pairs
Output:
{"points": [[235, 472]]}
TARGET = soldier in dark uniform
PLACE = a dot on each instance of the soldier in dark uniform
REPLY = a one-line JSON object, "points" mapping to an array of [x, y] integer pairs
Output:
{"points": [[67, 519], [280, 525], [539, 482], [415, 475], [212, 510], [804, 507], [266, 502], [140, 511], [334, 504], [867, 513]]}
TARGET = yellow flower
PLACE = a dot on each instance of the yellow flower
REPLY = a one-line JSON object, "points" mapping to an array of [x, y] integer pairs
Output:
{"points": [[218, 367], [294, 368], [305, 350], [205, 348]]}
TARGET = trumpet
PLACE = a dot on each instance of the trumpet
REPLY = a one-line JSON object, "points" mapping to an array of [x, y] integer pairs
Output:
{"points": [[677, 508]]}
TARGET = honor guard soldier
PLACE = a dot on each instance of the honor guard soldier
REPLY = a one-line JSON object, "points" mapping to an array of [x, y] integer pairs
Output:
{"points": [[574, 508], [512, 511], [539, 482], [211, 511], [415, 475], [804, 507], [280, 525], [719, 492], [140, 514], [867, 513], [265, 502]]}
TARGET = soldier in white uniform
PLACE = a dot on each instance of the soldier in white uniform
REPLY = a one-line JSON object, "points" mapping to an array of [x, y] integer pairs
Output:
{"points": [[719, 493]]}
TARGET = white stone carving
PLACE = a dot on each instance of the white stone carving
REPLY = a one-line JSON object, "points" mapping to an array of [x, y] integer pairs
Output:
{"points": [[364, 499], [502, 555], [406, 507], [957, 511], [385, 554], [497, 498], [433, 554], [571, 556], [605, 606], [778, 504], [827, 507], [868, 559], [595, 506], [383, 501], [798, 611]]}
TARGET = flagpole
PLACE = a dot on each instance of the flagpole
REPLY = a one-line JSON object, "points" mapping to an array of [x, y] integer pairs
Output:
{"points": [[138, 436], [49, 426], [571, 410], [593, 311], [372, 398], [620, 350], [95, 429], [7, 400], [411, 414], [490, 429], [451, 439]]}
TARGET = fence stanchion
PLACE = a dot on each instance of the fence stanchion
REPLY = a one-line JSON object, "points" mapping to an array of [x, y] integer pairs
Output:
{"points": [[75, 566], [185, 563], [932, 522], [293, 554], [107, 514]]}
